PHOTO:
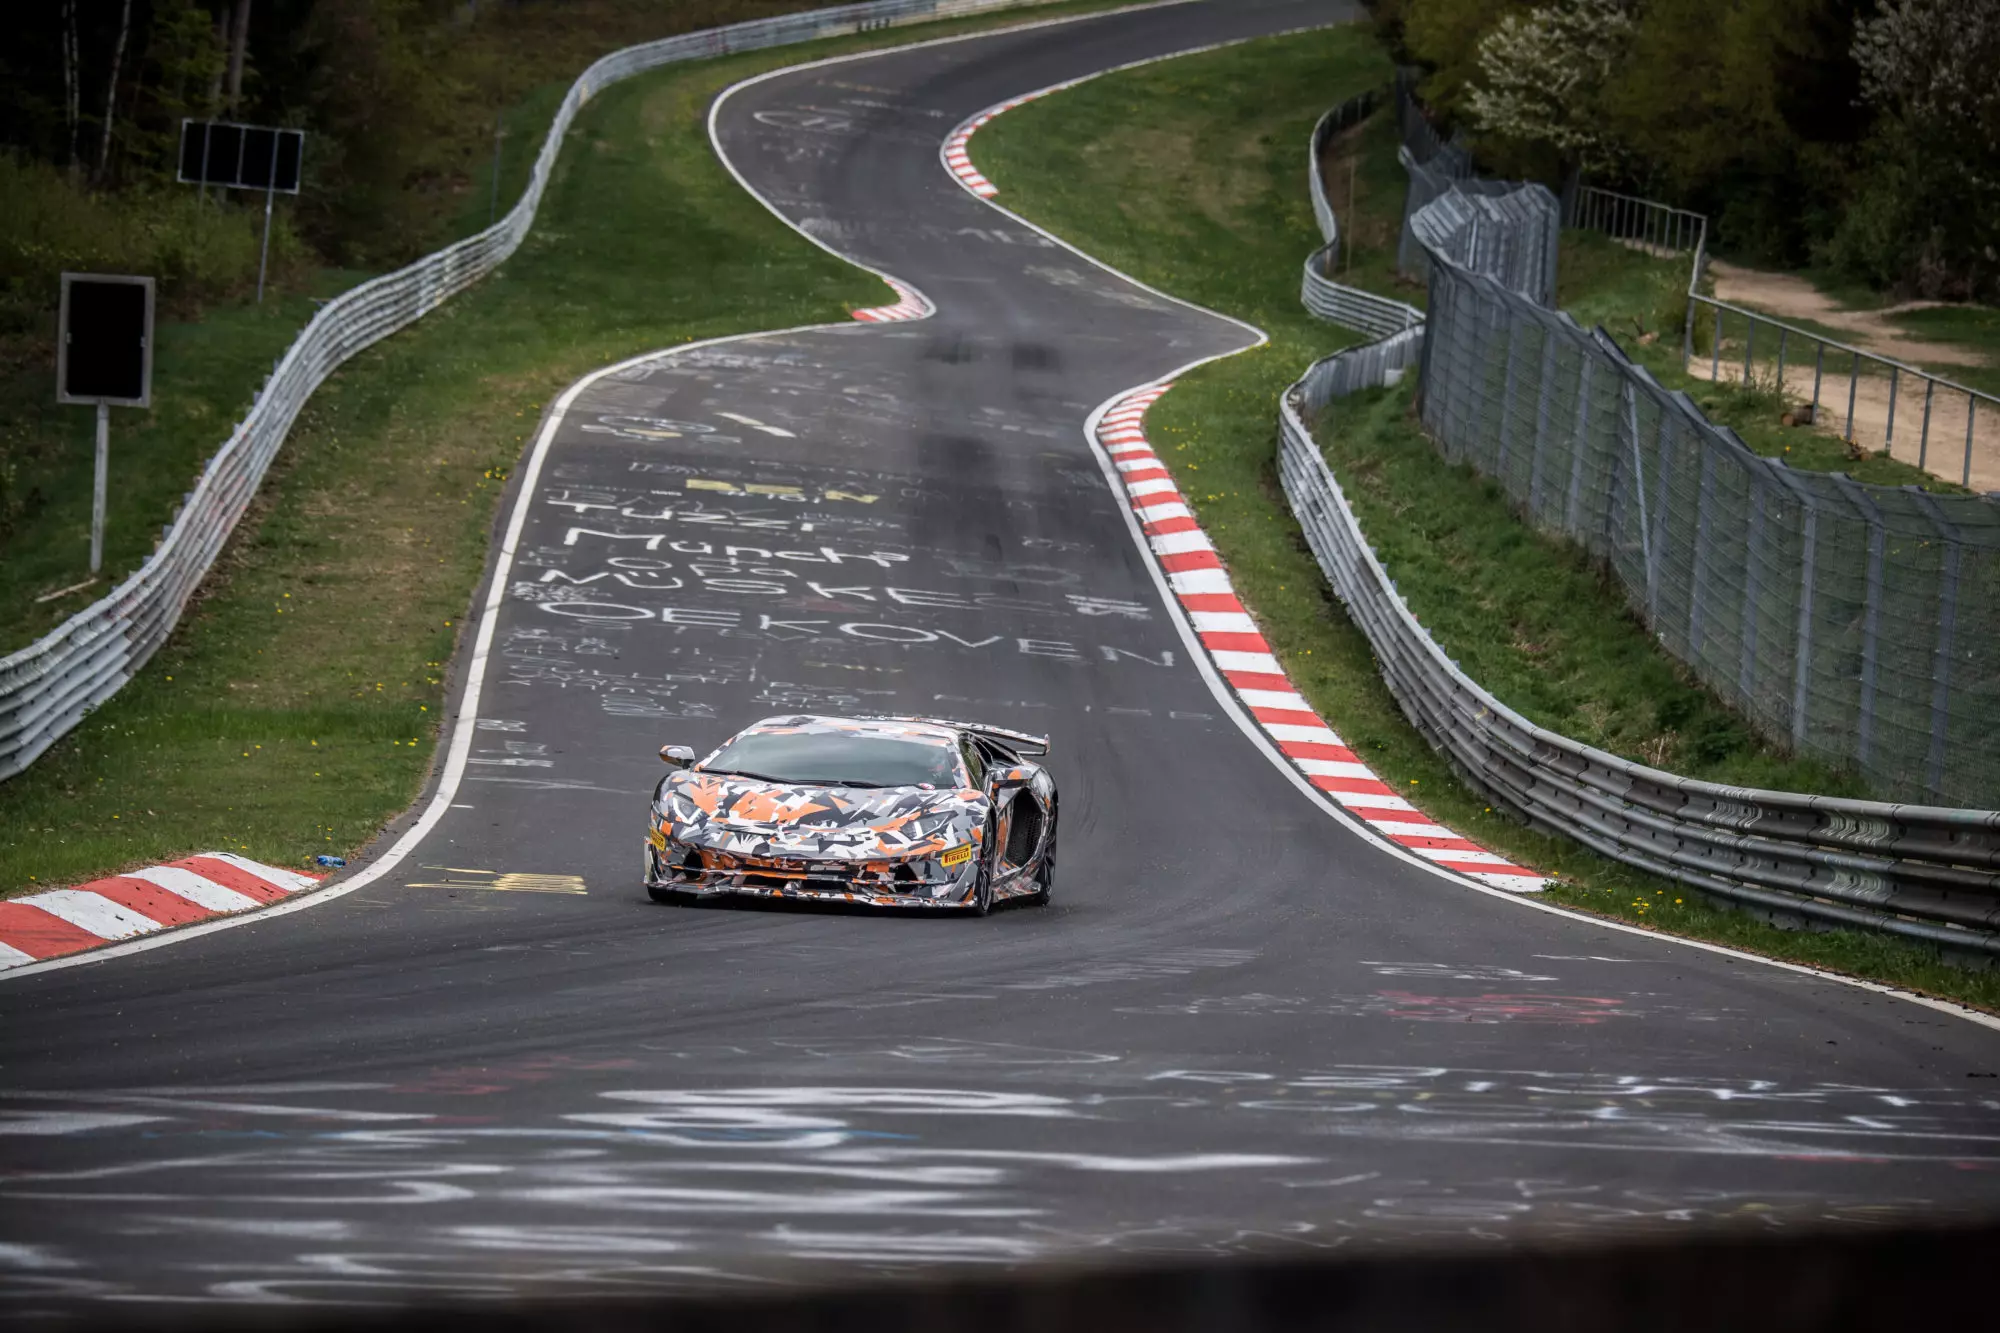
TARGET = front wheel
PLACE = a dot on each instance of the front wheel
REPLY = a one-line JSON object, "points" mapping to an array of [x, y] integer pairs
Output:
{"points": [[982, 891]]}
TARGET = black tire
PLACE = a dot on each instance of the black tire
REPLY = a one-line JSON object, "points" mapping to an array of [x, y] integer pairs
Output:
{"points": [[665, 896], [1045, 873], [982, 892]]}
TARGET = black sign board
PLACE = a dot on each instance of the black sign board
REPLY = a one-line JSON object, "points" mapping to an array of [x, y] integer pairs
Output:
{"points": [[105, 352], [242, 157]]}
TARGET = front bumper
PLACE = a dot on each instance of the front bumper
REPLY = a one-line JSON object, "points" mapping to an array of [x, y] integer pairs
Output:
{"points": [[875, 884]]}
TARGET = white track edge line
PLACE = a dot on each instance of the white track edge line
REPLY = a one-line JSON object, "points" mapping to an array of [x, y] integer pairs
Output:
{"points": [[1249, 727]]}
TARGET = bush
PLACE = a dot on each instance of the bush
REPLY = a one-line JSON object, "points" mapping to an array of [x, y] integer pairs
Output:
{"points": [[49, 226]]}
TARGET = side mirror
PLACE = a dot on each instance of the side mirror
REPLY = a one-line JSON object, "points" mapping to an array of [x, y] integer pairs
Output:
{"points": [[999, 779], [680, 756]]}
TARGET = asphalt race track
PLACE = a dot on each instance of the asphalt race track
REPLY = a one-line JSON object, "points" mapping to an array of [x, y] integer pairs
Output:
{"points": [[1239, 1027]]}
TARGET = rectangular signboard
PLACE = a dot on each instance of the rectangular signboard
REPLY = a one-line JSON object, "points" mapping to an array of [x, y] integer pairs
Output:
{"points": [[104, 352], [241, 157]]}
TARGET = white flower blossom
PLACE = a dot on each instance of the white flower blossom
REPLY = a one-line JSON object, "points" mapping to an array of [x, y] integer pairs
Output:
{"points": [[1542, 72]]}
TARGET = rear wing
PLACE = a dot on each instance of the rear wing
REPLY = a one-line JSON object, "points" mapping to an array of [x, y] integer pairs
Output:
{"points": [[1020, 742]]}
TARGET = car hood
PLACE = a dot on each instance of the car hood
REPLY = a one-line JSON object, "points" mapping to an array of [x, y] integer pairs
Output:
{"points": [[749, 817]]}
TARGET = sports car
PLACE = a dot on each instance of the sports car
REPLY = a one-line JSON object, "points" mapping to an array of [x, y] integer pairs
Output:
{"points": [[890, 811]]}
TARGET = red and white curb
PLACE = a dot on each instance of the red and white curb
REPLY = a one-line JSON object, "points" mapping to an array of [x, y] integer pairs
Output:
{"points": [[910, 304], [65, 921], [957, 155], [1242, 657]]}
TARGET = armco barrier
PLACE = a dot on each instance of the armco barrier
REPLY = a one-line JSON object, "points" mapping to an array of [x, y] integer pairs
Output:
{"points": [[1323, 296], [1927, 872], [47, 687]]}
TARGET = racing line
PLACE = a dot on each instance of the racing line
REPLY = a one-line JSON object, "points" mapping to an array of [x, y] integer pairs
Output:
{"points": [[493, 1066]]}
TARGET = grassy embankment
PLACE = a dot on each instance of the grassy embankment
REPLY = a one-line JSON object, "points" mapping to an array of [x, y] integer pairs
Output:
{"points": [[1188, 175], [294, 710]]}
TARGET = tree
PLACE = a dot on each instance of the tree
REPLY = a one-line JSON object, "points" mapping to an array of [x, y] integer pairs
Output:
{"points": [[1543, 74], [1928, 215], [111, 90]]}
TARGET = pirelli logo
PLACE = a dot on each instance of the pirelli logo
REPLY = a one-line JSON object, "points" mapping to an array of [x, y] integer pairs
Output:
{"points": [[957, 856]]}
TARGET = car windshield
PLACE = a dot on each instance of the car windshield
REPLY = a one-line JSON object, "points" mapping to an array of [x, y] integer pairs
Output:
{"points": [[838, 759]]}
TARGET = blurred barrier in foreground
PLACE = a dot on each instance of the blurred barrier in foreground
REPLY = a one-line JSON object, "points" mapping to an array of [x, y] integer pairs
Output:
{"points": [[48, 687], [1868, 1276]]}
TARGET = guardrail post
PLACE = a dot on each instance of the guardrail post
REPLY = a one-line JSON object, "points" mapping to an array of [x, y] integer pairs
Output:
{"points": [[1577, 442], [1853, 381], [1971, 407], [1544, 390], [1802, 658], [1753, 579], [1889, 440], [1819, 369], [1924, 434], [1715, 350], [1947, 623], [1871, 616]]}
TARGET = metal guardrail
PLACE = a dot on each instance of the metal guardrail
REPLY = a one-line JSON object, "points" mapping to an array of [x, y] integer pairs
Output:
{"points": [[1926, 872], [1656, 227], [1321, 293], [49, 686]]}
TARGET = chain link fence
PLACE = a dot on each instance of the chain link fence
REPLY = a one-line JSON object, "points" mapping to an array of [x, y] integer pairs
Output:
{"points": [[1857, 624], [49, 686], [1925, 873], [1833, 613], [1860, 624]]}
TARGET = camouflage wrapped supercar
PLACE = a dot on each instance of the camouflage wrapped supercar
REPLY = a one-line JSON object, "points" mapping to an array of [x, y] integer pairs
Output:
{"points": [[890, 811]]}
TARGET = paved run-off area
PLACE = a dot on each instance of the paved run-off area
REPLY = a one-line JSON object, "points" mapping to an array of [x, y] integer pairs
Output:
{"points": [[498, 1068]]}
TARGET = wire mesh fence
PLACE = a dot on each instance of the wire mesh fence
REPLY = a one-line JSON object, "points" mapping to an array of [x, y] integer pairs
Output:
{"points": [[1857, 624], [1837, 611], [49, 686], [1860, 624]]}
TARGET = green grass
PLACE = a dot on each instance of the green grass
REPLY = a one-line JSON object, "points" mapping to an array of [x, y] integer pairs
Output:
{"points": [[294, 710], [1531, 617], [1974, 326], [204, 374], [1187, 175]]}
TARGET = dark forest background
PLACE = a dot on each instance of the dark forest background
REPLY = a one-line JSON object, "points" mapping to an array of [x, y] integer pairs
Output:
{"points": [[1857, 136]]}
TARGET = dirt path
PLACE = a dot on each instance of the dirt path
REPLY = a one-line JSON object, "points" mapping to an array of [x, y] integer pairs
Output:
{"points": [[1942, 431], [1790, 297]]}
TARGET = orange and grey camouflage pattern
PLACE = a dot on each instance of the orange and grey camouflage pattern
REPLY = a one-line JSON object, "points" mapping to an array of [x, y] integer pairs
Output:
{"points": [[920, 845]]}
